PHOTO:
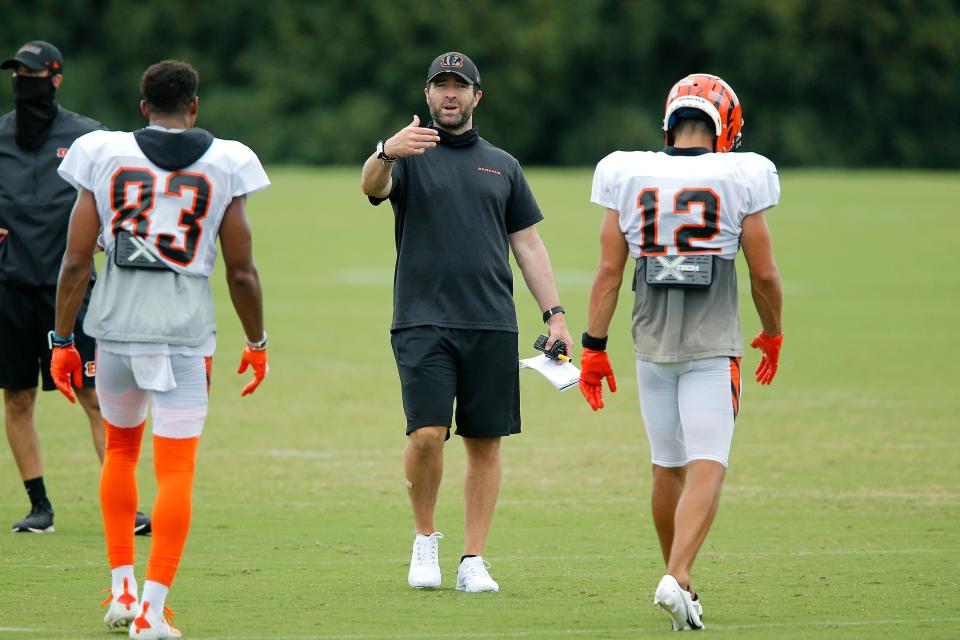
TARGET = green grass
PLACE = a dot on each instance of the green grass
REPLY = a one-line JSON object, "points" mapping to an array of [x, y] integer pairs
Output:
{"points": [[840, 516]]}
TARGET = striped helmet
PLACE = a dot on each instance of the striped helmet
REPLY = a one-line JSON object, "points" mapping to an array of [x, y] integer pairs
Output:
{"points": [[712, 96]]}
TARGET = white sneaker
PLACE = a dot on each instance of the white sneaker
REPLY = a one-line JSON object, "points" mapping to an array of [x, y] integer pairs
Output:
{"points": [[121, 607], [472, 576], [425, 562], [683, 610], [153, 625]]}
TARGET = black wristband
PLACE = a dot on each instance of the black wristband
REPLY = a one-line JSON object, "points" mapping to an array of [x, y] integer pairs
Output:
{"points": [[587, 341], [552, 311]]}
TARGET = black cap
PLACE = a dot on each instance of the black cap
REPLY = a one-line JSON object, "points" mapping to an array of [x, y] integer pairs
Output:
{"points": [[37, 55], [454, 62]]}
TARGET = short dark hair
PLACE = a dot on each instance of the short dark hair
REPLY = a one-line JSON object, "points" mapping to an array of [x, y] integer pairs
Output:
{"points": [[169, 86], [692, 124]]}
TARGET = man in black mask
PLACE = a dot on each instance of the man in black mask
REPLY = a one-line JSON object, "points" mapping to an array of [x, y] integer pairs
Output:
{"points": [[35, 205]]}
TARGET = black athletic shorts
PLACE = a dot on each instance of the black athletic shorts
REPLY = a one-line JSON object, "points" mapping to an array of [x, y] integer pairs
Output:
{"points": [[477, 368], [26, 316]]}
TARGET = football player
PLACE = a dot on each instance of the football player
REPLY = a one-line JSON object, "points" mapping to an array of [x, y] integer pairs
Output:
{"points": [[683, 213], [157, 199]]}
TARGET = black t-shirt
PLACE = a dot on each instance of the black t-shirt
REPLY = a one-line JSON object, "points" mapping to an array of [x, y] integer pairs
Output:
{"points": [[454, 208], [35, 202]]}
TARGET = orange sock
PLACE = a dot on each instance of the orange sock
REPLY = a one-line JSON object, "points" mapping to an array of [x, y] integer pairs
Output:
{"points": [[118, 491], [174, 460]]}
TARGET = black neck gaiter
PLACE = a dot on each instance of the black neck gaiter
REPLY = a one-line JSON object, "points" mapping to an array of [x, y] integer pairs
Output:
{"points": [[464, 139], [36, 109]]}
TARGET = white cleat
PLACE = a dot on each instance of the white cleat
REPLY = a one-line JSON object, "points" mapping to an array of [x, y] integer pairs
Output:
{"points": [[121, 608], [425, 562], [473, 577], [150, 625], [683, 610]]}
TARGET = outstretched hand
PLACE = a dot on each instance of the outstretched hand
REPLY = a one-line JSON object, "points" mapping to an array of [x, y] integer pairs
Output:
{"points": [[412, 140]]}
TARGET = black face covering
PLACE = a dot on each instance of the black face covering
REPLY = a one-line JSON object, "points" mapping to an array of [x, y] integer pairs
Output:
{"points": [[448, 139], [36, 109]]}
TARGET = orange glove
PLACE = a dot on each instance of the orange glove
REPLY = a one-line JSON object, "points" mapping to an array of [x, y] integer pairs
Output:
{"points": [[771, 356], [594, 367], [256, 358], [65, 363]]}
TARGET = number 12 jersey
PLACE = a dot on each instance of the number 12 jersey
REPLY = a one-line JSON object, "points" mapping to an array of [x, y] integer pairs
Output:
{"points": [[685, 202]]}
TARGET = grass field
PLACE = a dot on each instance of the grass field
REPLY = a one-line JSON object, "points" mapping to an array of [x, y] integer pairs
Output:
{"points": [[840, 517]]}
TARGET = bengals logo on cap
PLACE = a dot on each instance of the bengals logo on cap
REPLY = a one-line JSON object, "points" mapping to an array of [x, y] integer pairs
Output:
{"points": [[451, 61], [62, 152]]}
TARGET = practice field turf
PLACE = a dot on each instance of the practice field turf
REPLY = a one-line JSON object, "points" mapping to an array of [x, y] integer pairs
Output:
{"points": [[840, 517]]}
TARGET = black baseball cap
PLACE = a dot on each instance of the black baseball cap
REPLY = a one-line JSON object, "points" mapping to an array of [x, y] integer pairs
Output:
{"points": [[454, 62], [37, 55]]}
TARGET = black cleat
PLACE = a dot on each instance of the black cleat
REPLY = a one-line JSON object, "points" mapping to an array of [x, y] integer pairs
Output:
{"points": [[39, 520], [142, 526]]}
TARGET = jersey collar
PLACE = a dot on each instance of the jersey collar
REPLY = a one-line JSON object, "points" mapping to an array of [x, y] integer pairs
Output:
{"points": [[687, 151]]}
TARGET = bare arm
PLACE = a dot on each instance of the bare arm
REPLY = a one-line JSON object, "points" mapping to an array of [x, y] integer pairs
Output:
{"points": [[606, 284], [534, 262], [413, 140], [236, 242], [765, 283], [75, 268]]}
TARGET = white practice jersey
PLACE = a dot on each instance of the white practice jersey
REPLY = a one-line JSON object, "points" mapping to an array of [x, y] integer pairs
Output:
{"points": [[175, 216], [684, 204], [177, 213]]}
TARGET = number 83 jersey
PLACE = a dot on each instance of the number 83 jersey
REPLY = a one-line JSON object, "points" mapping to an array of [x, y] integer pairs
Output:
{"points": [[169, 188], [684, 201]]}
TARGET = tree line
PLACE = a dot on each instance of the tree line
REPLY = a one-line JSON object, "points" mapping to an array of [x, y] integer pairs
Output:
{"points": [[848, 83]]}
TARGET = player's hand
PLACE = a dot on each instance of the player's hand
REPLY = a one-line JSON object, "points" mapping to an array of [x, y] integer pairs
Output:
{"points": [[594, 367], [65, 364], [412, 140], [771, 356], [4, 233], [557, 326], [256, 358]]}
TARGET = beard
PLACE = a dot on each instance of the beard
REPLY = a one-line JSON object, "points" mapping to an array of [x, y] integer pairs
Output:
{"points": [[451, 122]]}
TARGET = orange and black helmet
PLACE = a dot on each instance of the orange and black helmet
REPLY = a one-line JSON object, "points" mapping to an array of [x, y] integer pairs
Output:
{"points": [[711, 96]]}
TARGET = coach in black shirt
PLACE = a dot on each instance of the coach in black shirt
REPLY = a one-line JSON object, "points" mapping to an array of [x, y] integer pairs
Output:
{"points": [[460, 205], [35, 205]]}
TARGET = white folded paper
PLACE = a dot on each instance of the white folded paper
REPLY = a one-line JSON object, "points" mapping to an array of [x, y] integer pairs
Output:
{"points": [[561, 375]]}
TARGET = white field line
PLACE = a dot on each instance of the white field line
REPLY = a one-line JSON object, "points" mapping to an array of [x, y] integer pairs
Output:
{"points": [[654, 554], [716, 628], [354, 557], [629, 631]]}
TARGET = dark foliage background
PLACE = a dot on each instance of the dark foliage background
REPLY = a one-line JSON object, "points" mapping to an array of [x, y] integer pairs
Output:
{"points": [[823, 82]]}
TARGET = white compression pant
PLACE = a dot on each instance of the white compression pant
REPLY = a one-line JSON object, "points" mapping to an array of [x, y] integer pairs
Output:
{"points": [[689, 408], [177, 413]]}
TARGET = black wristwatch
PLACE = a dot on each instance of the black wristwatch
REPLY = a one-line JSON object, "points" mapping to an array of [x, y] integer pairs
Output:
{"points": [[381, 154], [552, 311]]}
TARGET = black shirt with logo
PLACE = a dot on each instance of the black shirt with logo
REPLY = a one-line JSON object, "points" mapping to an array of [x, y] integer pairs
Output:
{"points": [[35, 202], [454, 208]]}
